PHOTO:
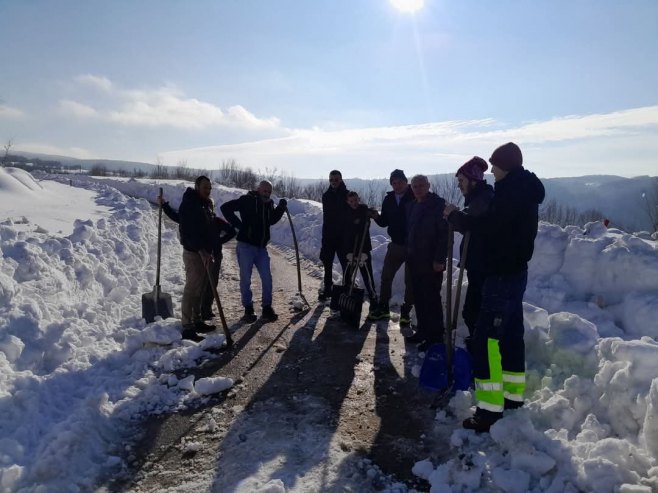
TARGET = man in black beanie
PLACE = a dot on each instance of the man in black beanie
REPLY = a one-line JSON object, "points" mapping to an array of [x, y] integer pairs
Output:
{"points": [[393, 216], [334, 213], [509, 228]]}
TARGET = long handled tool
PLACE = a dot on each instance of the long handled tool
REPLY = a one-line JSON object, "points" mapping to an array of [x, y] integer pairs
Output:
{"points": [[351, 302], [299, 269], [446, 367], [227, 333], [157, 303]]}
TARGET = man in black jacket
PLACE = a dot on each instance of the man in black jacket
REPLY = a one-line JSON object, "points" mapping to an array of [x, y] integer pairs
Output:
{"points": [[334, 212], [477, 196], [393, 216], [257, 214], [427, 248], [509, 231], [201, 240], [224, 233]]}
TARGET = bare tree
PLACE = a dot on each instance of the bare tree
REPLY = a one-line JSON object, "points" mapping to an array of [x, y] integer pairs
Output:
{"points": [[446, 187], [160, 171], [314, 191], [7, 147]]}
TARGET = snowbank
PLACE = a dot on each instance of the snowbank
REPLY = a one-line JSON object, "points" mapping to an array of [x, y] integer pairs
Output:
{"points": [[76, 363]]}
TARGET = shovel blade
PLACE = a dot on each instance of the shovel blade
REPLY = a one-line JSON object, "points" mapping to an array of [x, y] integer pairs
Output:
{"points": [[462, 369], [156, 303], [350, 307], [434, 372]]}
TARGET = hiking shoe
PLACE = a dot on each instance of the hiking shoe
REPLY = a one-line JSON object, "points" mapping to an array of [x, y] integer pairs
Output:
{"points": [[268, 314], [509, 404], [207, 316], [191, 335], [405, 315], [379, 313], [203, 327], [479, 423], [324, 294], [249, 315], [416, 338]]}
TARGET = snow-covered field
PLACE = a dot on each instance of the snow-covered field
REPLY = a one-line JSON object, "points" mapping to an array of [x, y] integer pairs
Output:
{"points": [[78, 366]]}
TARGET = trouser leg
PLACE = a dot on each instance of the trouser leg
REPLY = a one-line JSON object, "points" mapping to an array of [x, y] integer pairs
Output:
{"points": [[498, 348], [392, 261], [245, 253], [208, 298], [195, 275], [262, 262]]}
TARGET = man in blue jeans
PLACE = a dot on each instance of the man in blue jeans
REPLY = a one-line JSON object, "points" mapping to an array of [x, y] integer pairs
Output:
{"points": [[257, 214]]}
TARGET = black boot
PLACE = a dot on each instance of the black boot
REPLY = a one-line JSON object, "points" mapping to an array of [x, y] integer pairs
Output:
{"points": [[324, 294], [268, 314], [190, 334], [203, 327], [249, 315]]}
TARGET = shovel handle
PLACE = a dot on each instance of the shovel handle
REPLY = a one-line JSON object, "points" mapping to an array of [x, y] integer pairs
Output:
{"points": [[227, 333], [157, 269]]}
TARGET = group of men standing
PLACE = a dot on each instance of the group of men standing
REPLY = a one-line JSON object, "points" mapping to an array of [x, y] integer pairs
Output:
{"points": [[502, 222], [202, 235]]}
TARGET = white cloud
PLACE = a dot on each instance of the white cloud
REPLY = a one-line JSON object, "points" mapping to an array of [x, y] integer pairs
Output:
{"points": [[79, 110], [163, 107], [9, 112], [96, 81], [595, 142]]}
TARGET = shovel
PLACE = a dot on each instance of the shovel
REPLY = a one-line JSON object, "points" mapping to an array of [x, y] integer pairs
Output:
{"points": [[227, 333], [445, 367], [156, 303], [299, 269], [351, 301]]}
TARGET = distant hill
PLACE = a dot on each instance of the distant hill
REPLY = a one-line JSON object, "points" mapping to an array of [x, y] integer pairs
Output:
{"points": [[619, 199], [110, 164]]}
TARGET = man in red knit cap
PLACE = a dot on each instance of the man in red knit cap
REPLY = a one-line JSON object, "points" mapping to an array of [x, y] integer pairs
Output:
{"points": [[477, 196]]}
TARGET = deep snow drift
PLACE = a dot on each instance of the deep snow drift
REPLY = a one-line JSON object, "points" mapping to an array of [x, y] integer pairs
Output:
{"points": [[78, 366]]}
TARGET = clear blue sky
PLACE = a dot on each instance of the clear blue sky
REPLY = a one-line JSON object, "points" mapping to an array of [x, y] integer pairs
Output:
{"points": [[307, 86]]}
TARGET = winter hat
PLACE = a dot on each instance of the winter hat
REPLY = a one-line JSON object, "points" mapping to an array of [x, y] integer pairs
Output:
{"points": [[507, 157], [397, 174], [473, 169]]}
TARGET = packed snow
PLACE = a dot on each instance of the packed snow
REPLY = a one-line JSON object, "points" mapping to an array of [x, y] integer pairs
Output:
{"points": [[79, 368]]}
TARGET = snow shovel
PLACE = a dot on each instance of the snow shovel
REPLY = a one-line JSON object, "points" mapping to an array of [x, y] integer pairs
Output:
{"points": [[351, 302], [227, 333], [299, 269], [446, 367], [156, 303]]}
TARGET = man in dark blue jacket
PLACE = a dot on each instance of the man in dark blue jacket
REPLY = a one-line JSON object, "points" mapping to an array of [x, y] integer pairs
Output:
{"points": [[509, 231], [334, 213], [394, 217], [257, 214], [427, 248], [477, 196], [201, 240]]}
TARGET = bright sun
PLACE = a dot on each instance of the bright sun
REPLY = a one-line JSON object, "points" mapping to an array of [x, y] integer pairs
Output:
{"points": [[408, 6]]}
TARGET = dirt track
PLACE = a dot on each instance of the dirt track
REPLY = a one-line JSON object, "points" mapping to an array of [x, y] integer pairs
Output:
{"points": [[312, 395]]}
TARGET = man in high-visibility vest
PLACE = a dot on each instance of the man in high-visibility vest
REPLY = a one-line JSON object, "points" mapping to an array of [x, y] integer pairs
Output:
{"points": [[509, 228]]}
